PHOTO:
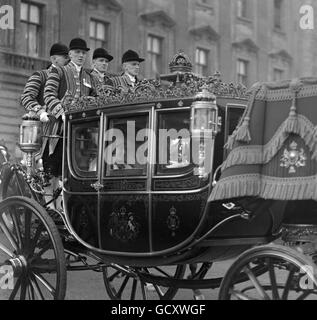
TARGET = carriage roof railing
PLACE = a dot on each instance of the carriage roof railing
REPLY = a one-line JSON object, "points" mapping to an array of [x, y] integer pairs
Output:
{"points": [[181, 83]]}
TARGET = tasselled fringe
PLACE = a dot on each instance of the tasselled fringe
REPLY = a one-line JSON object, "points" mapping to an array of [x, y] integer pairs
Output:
{"points": [[265, 187]]}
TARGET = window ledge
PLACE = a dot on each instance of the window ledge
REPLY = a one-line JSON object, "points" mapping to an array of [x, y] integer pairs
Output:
{"points": [[202, 5], [279, 31], [244, 20]]}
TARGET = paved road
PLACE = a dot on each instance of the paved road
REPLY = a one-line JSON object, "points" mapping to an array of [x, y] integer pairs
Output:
{"points": [[89, 285]]}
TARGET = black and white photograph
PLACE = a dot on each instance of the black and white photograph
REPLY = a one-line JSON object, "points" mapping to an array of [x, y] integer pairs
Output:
{"points": [[158, 150]]}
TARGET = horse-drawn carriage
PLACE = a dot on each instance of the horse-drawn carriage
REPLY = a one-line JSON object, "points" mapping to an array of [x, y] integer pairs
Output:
{"points": [[141, 203]]}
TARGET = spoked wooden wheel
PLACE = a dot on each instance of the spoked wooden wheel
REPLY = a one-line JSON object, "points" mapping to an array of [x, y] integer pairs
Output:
{"points": [[123, 285], [31, 252], [289, 275]]}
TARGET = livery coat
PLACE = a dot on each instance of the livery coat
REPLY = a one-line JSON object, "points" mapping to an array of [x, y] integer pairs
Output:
{"points": [[32, 98], [123, 82], [103, 80], [62, 80]]}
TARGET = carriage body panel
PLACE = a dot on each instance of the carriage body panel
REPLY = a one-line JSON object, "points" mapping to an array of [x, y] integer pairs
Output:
{"points": [[150, 209]]}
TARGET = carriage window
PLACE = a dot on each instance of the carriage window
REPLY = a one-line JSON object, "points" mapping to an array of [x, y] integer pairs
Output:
{"points": [[126, 151], [173, 143], [85, 147]]}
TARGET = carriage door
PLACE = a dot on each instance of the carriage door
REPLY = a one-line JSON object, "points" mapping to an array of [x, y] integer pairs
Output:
{"points": [[80, 174], [124, 217]]}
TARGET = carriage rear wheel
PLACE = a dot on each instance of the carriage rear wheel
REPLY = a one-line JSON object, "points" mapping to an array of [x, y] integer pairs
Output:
{"points": [[123, 285], [289, 275], [31, 252]]}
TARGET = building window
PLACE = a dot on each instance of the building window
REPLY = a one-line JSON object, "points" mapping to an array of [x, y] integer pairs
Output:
{"points": [[31, 27], [242, 8], [98, 34], [278, 74], [154, 53], [201, 62], [278, 4], [242, 72]]}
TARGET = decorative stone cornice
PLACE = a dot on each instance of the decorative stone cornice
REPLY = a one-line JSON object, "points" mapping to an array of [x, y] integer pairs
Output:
{"points": [[158, 16], [246, 44], [110, 4], [205, 31], [282, 54]]}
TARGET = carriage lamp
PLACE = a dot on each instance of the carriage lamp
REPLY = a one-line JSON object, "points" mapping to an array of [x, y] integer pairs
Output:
{"points": [[205, 124], [30, 139]]}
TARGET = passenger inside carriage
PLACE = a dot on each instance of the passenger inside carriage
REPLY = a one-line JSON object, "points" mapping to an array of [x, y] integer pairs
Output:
{"points": [[126, 151]]}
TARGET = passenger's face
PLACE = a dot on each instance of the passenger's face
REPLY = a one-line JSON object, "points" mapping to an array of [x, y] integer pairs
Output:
{"points": [[132, 68], [60, 60], [101, 64], [78, 56]]}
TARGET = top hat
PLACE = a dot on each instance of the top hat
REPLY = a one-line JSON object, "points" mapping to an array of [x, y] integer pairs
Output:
{"points": [[58, 49], [102, 53], [131, 55], [78, 43]]}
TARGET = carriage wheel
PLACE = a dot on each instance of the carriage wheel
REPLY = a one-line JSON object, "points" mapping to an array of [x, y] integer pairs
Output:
{"points": [[31, 252], [121, 285], [13, 184], [289, 276]]}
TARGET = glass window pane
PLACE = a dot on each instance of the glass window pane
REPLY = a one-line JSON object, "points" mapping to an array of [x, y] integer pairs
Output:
{"points": [[33, 40], [85, 147], [92, 29], [24, 11], [127, 146], [174, 148], [204, 57], [24, 39], [34, 14], [149, 43], [197, 56], [156, 45], [101, 32]]}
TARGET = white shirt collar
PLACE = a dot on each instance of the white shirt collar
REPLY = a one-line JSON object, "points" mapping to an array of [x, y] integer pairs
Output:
{"points": [[133, 79], [78, 68], [99, 73]]}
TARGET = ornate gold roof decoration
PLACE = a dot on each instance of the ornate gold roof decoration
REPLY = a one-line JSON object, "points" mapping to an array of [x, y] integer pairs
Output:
{"points": [[180, 63]]}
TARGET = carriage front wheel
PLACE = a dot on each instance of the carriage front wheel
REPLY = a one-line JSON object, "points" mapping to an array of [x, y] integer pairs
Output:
{"points": [[32, 257], [286, 275]]}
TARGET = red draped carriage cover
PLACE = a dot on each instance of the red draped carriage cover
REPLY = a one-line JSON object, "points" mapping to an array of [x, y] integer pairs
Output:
{"points": [[273, 151]]}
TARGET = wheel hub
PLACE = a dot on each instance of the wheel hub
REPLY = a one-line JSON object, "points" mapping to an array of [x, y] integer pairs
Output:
{"points": [[18, 264]]}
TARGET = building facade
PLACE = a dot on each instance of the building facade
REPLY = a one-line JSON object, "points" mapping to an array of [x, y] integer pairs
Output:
{"points": [[246, 40]]}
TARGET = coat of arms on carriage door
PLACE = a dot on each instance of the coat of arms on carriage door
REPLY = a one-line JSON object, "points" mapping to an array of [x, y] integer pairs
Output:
{"points": [[293, 158], [123, 225]]}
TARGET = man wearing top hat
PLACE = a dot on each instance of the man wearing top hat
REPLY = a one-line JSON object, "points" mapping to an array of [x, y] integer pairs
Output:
{"points": [[131, 68], [74, 80], [100, 62]]}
